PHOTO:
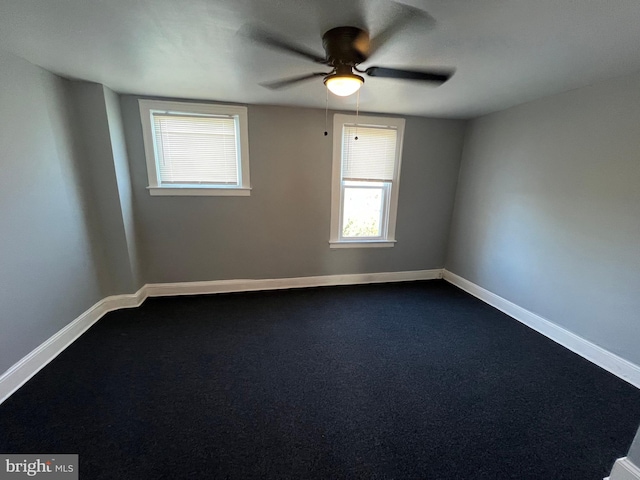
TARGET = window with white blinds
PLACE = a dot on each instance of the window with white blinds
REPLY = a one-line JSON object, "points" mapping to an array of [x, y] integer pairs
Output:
{"points": [[366, 168], [195, 149]]}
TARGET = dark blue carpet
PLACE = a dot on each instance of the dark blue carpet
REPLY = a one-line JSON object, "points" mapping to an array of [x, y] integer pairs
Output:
{"points": [[408, 381]]}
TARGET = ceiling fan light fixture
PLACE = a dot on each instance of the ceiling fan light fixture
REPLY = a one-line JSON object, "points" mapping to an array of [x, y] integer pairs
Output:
{"points": [[343, 84]]}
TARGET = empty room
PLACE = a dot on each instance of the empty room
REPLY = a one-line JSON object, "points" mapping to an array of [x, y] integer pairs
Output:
{"points": [[320, 239]]}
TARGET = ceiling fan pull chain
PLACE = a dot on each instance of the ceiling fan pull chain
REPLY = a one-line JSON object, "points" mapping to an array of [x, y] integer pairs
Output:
{"points": [[326, 113], [357, 111]]}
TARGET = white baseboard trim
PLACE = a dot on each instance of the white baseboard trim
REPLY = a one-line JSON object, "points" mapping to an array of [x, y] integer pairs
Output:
{"points": [[624, 469], [27, 367], [227, 286], [614, 364], [32, 363]]}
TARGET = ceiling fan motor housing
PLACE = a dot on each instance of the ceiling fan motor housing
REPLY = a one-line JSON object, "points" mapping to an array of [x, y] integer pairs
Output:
{"points": [[346, 46]]}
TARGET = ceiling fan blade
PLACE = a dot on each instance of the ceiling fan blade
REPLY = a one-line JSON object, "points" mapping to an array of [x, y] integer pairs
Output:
{"points": [[406, 15], [278, 43], [288, 82], [439, 76]]}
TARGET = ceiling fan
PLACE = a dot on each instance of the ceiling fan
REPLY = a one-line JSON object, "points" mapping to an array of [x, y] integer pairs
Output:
{"points": [[345, 48]]}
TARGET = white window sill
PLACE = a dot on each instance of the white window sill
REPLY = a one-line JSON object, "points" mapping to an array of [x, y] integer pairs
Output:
{"points": [[361, 243], [200, 191]]}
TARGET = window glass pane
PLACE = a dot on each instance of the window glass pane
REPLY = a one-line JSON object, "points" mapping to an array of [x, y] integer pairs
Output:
{"points": [[362, 211]]}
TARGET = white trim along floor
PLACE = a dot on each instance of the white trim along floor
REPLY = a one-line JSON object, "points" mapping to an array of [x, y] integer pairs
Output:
{"points": [[27, 367]]}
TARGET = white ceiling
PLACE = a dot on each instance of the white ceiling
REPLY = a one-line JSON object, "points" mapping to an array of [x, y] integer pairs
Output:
{"points": [[505, 52]]}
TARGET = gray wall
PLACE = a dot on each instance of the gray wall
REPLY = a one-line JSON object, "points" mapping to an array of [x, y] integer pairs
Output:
{"points": [[105, 176], [548, 211], [120, 162], [48, 275], [282, 229]]}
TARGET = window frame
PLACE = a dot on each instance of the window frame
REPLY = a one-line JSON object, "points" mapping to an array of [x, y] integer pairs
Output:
{"points": [[156, 188], [390, 202]]}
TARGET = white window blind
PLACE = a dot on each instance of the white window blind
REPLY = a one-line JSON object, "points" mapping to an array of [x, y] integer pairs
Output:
{"points": [[196, 149], [371, 157]]}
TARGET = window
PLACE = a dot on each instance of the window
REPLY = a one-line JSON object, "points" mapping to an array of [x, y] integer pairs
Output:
{"points": [[195, 149], [366, 170]]}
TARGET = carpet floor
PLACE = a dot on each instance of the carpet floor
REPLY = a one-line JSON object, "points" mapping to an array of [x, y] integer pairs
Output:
{"points": [[414, 380]]}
